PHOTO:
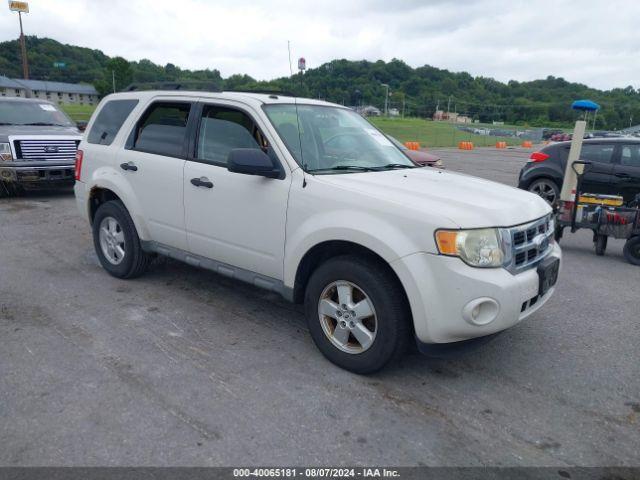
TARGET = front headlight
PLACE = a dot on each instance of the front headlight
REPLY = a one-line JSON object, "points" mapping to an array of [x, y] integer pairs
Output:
{"points": [[5, 152], [478, 248]]}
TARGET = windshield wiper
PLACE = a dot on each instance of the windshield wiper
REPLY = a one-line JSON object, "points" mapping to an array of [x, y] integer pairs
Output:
{"points": [[393, 165], [344, 167], [6, 123], [44, 124]]}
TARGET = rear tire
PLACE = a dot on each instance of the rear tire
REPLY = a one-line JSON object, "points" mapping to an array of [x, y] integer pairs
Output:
{"points": [[600, 244], [631, 250], [117, 243], [339, 296], [547, 189]]}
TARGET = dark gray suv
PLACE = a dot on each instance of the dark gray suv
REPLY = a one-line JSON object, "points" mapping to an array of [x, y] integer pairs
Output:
{"points": [[38, 144], [614, 169]]}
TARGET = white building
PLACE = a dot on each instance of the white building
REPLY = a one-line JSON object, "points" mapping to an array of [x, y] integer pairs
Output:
{"points": [[55, 92]]}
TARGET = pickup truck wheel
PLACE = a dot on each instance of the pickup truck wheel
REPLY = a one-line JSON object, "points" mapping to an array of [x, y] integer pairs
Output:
{"points": [[10, 189], [117, 243], [357, 314]]}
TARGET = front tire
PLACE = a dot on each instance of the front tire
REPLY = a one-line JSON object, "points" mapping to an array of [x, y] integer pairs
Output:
{"points": [[10, 189], [357, 314], [117, 243]]}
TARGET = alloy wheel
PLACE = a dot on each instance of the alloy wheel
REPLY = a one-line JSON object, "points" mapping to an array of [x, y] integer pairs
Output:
{"points": [[545, 189], [112, 240], [347, 316]]}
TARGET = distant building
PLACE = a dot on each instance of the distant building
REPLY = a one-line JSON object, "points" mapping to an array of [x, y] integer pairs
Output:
{"points": [[369, 111], [394, 112], [11, 88], [443, 116], [55, 92]]}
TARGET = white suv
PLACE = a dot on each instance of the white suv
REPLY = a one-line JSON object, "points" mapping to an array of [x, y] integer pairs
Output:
{"points": [[307, 199]]}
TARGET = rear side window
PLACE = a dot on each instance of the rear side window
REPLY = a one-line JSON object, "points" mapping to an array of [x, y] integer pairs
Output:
{"points": [[162, 129], [630, 155], [597, 153], [109, 120]]}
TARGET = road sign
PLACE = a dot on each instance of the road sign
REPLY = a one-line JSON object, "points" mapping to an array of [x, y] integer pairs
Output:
{"points": [[59, 64], [302, 63], [19, 6]]}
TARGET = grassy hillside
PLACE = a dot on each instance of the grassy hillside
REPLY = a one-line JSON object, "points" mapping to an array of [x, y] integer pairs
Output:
{"points": [[417, 91]]}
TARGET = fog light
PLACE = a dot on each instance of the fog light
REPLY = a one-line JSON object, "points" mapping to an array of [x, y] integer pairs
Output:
{"points": [[481, 311], [7, 174]]}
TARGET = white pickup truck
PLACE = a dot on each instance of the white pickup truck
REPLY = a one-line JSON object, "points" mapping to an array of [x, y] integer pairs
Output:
{"points": [[307, 199]]}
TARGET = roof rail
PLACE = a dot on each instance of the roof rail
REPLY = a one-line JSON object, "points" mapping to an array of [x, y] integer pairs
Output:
{"points": [[198, 86], [265, 91], [181, 85]]}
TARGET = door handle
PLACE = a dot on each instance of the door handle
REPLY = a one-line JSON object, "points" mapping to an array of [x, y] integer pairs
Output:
{"points": [[129, 166], [622, 175], [201, 182]]}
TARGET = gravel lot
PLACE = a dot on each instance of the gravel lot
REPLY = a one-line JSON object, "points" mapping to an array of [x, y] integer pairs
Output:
{"points": [[184, 367]]}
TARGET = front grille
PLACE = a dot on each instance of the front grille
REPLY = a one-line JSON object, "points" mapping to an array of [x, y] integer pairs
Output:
{"points": [[529, 244], [48, 149]]}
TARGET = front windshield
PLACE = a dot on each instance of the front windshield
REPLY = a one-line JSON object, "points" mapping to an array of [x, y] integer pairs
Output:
{"points": [[334, 140], [397, 143], [32, 113]]}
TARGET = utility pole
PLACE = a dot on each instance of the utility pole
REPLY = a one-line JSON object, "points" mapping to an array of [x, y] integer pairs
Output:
{"points": [[386, 100], [23, 48], [22, 7], [289, 50], [448, 107], [113, 80]]}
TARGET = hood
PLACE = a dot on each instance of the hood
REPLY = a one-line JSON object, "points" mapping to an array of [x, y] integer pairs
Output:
{"points": [[421, 157], [14, 130], [469, 202]]}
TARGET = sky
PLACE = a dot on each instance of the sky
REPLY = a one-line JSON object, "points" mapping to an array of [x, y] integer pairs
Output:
{"points": [[591, 42]]}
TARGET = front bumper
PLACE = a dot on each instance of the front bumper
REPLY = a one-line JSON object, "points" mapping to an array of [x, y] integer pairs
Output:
{"points": [[441, 290], [37, 172]]}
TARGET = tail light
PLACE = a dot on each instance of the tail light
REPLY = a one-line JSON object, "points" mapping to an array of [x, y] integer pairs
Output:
{"points": [[79, 156], [538, 157]]}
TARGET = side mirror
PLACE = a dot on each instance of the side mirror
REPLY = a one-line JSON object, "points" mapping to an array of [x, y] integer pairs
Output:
{"points": [[252, 161], [81, 125]]}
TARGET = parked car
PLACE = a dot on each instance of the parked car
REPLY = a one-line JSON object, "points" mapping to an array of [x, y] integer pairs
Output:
{"points": [[38, 144], [561, 137], [418, 156], [614, 169], [379, 250]]}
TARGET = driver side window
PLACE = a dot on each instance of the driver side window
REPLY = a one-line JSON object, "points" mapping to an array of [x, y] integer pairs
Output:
{"points": [[597, 153], [221, 130]]}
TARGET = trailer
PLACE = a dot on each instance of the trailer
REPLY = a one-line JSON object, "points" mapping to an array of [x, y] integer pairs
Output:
{"points": [[605, 215]]}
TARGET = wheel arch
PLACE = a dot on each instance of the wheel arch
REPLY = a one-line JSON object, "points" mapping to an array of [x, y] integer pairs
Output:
{"points": [[545, 175], [321, 252], [101, 193]]}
